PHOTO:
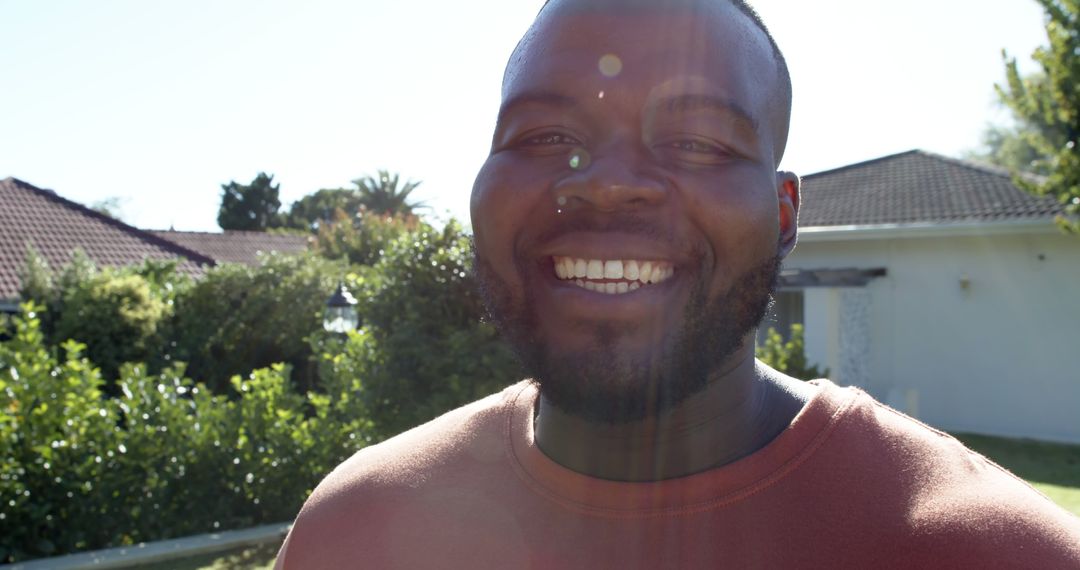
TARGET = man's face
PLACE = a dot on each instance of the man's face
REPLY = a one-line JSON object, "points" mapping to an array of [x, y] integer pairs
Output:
{"points": [[629, 221]]}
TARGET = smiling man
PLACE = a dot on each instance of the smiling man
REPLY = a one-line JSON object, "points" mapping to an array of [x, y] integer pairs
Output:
{"points": [[629, 223]]}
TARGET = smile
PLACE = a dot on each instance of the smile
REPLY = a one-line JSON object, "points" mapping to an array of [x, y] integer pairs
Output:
{"points": [[611, 276]]}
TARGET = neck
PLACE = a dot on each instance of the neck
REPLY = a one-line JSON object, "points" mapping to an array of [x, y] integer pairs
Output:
{"points": [[743, 407]]}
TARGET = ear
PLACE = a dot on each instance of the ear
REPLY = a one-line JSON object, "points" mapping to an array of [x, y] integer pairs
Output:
{"points": [[787, 196]]}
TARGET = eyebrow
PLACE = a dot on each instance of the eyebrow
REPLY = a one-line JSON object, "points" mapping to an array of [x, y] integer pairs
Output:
{"points": [[701, 102], [548, 98]]}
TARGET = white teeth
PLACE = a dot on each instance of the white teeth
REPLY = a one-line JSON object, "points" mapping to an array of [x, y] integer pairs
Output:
{"points": [[620, 276], [613, 269], [596, 269], [657, 274], [645, 271], [580, 268]]}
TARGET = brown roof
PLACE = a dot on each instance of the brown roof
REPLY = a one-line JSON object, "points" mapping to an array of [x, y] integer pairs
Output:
{"points": [[917, 187], [56, 226], [236, 246]]}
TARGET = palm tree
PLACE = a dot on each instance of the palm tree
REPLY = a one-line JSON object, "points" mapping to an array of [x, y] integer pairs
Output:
{"points": [[381, 194]]}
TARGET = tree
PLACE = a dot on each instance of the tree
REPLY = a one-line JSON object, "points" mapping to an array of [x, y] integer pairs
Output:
{"points": [[1047, 108], [111, 207], [789, 357], [1009, 148], [381, 194], [252, 207], [315, 210]]}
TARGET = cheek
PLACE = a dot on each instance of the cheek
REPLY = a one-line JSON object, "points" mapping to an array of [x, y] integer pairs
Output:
{"points": [[501, 207], [739, 216]]}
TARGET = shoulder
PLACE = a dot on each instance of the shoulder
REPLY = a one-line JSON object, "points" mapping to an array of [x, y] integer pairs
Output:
{"points": [[955, 504], [355, 501]]}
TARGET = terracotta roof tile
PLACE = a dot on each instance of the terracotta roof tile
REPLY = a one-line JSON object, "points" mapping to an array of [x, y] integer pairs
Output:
{"points": [[55, 227], [236, 246], [917, 187]]}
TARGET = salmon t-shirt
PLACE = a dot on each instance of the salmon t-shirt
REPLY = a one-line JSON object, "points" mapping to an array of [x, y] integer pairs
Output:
{"points": [[850, 483]]}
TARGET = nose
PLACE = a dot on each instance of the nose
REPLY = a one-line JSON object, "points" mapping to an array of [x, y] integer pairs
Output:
{"points": [[613, 181]]}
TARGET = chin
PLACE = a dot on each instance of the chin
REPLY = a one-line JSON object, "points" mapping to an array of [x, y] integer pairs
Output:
{"points": [[609, 382]]}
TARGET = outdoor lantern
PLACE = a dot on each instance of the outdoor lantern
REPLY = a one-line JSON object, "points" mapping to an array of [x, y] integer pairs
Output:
{"points": [[340, 315]]}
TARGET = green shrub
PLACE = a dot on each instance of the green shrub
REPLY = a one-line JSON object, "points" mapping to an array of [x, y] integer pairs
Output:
{"points": [[118, 314], [115, 316], [788, 357], [164, 458], [431, 352], [238, 318], [361, 239]]}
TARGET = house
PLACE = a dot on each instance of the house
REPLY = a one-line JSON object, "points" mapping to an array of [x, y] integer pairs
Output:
{"points": [[942, 289], [55, 227], [236, 246]]}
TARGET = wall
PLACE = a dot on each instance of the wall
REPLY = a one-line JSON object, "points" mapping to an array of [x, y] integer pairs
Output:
{"points": [[972, 332]]}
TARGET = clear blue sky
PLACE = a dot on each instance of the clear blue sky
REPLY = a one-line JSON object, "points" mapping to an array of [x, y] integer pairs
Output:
{"points": [[159, 103]]}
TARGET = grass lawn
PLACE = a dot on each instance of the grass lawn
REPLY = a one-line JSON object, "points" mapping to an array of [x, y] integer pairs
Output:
{"points": [[247, 558], [1052, 468]]}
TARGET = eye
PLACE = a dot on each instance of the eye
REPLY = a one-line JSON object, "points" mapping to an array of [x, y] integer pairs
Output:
{"points": [[549, 139], [694, 151], [694, 146]]}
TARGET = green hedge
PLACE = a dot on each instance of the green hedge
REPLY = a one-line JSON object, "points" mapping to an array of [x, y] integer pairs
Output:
{"points": [[164, 458], [98, 455]]}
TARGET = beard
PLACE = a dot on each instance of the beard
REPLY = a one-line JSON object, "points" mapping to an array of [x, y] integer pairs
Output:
{"points": [[603, 384]]}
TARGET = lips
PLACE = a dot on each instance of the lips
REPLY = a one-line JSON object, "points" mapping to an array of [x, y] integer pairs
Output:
{"points": [[612, 276]]}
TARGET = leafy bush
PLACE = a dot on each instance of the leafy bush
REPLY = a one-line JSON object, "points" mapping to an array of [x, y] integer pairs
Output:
{"points": [[118, 314], [789, 357], [164, 458], [237, 318], [362, 239], [431, 350]]}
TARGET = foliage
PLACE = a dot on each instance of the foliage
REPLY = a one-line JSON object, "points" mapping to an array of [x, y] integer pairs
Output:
{"points": [[86, 470], [118, 314], [1009, 148], [432, 352], [315, 210], [1047, 108], [111, 207], [362, 239], [789, 357], [381, 194], [164, 458], [252, 207], [237, 318]]}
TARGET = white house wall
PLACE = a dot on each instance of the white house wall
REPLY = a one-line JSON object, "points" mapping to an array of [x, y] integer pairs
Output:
{"points": [[974, 333]]}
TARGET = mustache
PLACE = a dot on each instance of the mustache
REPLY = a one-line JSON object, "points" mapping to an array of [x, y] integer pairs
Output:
{"points": [[623, 223]]}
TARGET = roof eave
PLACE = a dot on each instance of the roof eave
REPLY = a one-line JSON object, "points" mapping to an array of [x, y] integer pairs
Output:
{"points": [[928, 229]]}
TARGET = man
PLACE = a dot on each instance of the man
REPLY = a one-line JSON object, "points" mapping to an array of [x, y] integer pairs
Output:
{"points": [[629, 224]]}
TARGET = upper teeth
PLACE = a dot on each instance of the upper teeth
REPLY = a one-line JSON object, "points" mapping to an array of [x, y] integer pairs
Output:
{"points": [[630, 271]]}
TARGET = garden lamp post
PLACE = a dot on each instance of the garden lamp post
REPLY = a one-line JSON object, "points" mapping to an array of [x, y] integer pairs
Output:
{"points": [[340, 315]]}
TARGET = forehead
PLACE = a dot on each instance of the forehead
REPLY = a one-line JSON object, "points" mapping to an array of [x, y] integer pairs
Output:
{"points": [[696, 47]]}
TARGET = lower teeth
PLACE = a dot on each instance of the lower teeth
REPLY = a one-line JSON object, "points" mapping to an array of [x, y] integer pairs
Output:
{"points": [[609, 288]]}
